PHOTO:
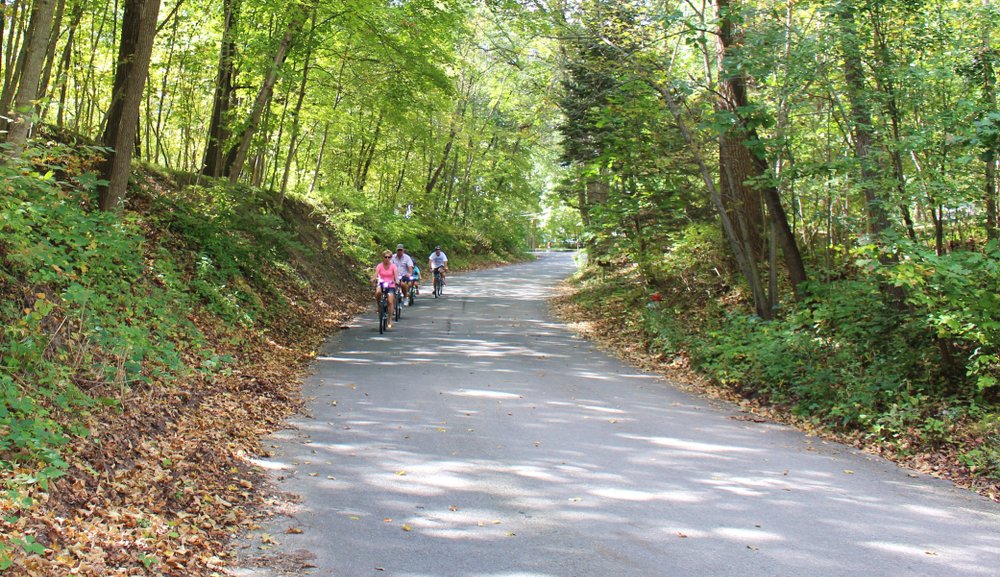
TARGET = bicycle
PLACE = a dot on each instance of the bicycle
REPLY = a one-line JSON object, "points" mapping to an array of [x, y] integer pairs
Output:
{"points": [[383, 311], [438, 282], [412, 294], [398, 303]]}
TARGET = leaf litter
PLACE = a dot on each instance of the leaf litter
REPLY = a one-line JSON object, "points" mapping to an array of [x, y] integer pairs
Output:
{"points": [[162, 485]]}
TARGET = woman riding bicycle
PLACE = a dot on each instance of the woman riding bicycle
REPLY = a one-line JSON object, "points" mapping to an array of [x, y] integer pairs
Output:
{"points": [[385, 280]]}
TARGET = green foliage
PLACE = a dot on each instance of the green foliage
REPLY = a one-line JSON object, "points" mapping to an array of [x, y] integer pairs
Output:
{"points": [[850, 356], [842, 358], [953, 299], [97, 303], [70, 315], [696, 258], [560, 224], [235, 243], [366, 230]]}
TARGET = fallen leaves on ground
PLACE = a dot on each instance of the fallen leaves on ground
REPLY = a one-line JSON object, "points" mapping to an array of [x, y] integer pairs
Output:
{"points": [[162, 485]]}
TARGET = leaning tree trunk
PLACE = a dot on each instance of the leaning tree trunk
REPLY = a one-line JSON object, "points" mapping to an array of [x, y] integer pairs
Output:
{"points": [[740, 166], [235, 168], [296, 113], [736, 163], [134, 52], [33, 57], [741, 250]]}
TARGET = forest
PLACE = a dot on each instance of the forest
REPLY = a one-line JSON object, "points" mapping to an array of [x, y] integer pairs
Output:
{"points": [[796, 201]]}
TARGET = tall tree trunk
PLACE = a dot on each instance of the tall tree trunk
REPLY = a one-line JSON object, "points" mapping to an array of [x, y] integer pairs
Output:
{"points": [[14, 60], [887, 85], [366, 157], [739, 166], [62, 71], [50, 51], [295, 24], [84, 106], [742, 251], [861, 123], [319, 158], [736, 164], [296, 120], [402, 172], [436, 172], [134, 53], [222, 101], [276, 149], [39, 29], [160, 150], [992, 147]]}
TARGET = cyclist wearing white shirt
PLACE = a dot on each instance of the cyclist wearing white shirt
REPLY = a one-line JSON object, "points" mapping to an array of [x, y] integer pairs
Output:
{"points": [[404, 265], [438, 260]]}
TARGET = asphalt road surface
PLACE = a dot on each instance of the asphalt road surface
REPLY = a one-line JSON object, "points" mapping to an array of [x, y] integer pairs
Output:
{"points": [[481, 438]]}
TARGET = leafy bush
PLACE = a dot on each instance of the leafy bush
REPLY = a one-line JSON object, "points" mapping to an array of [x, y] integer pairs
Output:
{"points": [[851, 356], [77, 316], [95, 303], [953, 299], [234, 243]]}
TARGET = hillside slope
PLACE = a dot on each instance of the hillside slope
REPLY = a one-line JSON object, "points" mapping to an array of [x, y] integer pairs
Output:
{"points": [[144, 355]]}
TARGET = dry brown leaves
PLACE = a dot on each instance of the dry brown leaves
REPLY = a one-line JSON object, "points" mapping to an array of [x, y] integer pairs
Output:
{"points": [[160, 487]]}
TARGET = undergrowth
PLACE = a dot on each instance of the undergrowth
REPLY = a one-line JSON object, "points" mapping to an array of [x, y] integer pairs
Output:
{"points": [[915, 380], [97, 307]]}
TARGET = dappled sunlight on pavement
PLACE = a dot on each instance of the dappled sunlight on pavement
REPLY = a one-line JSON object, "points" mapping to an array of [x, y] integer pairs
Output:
{"points": [[481, 439]]}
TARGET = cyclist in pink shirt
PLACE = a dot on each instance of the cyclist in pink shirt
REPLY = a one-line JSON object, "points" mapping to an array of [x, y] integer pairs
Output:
{"points": [[385, 278]]}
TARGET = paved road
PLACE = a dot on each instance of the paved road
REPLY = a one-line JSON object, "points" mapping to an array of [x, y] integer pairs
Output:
{"points": [[480, 438]]}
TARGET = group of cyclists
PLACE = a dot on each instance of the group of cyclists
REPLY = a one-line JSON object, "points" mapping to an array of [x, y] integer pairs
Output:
{"points": [[397, 270]]}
